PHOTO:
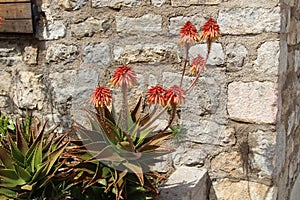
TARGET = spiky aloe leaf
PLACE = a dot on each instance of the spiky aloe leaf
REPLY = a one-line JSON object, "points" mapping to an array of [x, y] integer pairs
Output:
{"points": [[55, 155], [5, 158], [8, 192], [11, 178], [37, 160], [23, 173], [21, 143], [136, 169], [15, 152]]}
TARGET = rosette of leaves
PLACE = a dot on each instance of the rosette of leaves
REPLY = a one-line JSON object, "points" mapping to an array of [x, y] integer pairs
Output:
{"points": [[114, 162], [30, 160]]}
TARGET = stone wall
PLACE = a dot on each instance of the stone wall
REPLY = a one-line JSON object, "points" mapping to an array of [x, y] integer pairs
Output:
{"points": [[229, 119]]}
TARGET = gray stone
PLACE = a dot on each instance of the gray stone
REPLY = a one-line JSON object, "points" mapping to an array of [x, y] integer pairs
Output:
{"points": [[9, 55], [115, 3], [255, 20], [236, 55], [158, 3], [146, 23], [61, 53], [29, 93], [5, 82], [194, 2], [263, 146], [96, 54], [4, 101], [216, 56], [149, 53], [52, 31], [186, 155], [30, 55], [87, 28], [295, 193], [252, 101], [176, 23], [267, 61], [186, 183]]}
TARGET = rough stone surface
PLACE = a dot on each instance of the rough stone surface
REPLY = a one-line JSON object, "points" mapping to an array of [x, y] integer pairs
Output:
{"points": [[72, 4], [5, 82], [30, 55], [216, 56], [268, 58], [29, 92], [230, 163], [262, 144], [115, 3], [146, 23], [252, 101], [255, 20], [236, 55], [4, 101], [61, 53], [191, 186], [158, 3], [9, 56], [153, 53], [226, 189], [194, 2], [96, 54], [295, 193], [52, 31], [88, 27]]}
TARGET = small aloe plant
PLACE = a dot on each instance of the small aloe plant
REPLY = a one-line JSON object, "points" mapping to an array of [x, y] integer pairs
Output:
{"points": [[30, 159]]}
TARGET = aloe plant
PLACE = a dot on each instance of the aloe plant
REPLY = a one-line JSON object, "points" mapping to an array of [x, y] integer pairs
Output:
{"points": [[30, 159], [5, 125]]}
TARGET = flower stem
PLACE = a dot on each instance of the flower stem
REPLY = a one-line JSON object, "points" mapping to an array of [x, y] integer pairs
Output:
{"points": [[187, 47], [124, 109]]}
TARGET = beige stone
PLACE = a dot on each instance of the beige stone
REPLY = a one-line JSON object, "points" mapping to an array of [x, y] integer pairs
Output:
{"points": [[30, 55], [194, 2], [252, 101], [228, 162], [241, 190]]}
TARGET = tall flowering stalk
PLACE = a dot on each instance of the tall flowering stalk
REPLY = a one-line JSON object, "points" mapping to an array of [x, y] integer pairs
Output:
{"points": [[123, 145]]}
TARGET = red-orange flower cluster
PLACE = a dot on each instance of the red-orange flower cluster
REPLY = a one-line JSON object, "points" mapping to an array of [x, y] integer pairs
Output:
{"points": [[188, 34], [101, 96], [175, 96], [124, 76], [1, 20], [156, 95], [210, 31], [197, 65]]}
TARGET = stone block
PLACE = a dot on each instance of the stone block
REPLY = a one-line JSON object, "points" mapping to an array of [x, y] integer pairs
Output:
{"points": [[237, 190], [236, 55], [88, 27], [255, 20], [186, 183], [295, 193], [263, 146], [96, 54], [52, 31], [216, 56], [158, 3], [149, 53], [61, 53], [9, 55], [146, 23], [69, 5], [254, 102], [4, 101], [194, 2], [115, 3], [29, 91], [5, 82], [30, 55], [267, 61], [230, 163]]}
